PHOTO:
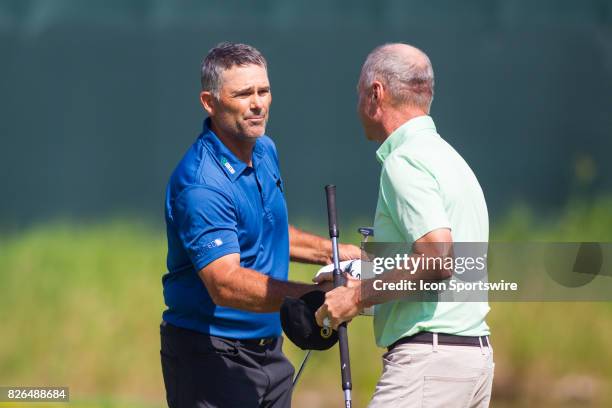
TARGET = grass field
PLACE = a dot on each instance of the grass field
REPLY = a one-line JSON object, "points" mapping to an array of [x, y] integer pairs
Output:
{"points": [[80, 306]]}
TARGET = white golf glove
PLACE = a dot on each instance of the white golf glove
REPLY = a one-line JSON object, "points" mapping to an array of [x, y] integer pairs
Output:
{"points": [[352, 267]]}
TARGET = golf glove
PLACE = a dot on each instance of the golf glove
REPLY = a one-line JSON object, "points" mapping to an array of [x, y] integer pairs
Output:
{"points": [[354, 268]]}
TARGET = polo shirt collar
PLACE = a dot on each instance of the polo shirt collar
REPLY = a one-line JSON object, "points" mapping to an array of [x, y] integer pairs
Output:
{"points": [[403, 134], [231, 165]]}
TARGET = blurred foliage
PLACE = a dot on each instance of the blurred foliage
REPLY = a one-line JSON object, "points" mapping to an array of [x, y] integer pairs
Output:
{"points": [[80, 307]]}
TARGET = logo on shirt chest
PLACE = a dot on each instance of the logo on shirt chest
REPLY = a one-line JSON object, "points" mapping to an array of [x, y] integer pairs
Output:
{"points": [[227, 165]]}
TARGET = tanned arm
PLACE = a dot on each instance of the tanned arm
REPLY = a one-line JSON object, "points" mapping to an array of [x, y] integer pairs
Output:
{"points": [[345, 302], [309, 248], [437, 243], [231, 285]]}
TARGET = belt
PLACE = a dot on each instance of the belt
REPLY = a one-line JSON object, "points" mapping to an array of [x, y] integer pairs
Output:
{"points": [[258, 342], [264, 341], [444, 339]]}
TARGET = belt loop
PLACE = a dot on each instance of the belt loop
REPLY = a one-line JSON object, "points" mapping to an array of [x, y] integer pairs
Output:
{"points": [[489, 345], [435, 343], [481, 347]]}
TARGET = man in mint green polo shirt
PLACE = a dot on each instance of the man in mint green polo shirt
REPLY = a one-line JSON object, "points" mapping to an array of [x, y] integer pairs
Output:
{"points": [[439, 352]]}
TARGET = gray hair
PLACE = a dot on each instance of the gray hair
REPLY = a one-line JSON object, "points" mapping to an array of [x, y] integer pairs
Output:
{"points": [[224, 56], [408, 76]]}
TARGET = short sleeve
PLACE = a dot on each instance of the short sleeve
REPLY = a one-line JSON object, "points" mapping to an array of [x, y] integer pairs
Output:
{"points": [[413, 197], [205, 219]]}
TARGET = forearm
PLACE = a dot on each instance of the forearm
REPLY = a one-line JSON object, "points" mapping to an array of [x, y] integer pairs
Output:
{"points": [[247, 289], [370, 289], [309, 248]]}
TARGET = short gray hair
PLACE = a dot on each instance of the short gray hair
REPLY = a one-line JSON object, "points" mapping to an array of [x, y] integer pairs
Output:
{"points": [[410, 81], [224, 56]]}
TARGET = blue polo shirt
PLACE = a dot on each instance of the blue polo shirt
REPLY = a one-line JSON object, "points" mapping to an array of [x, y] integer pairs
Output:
{"points": [[217, 205]]}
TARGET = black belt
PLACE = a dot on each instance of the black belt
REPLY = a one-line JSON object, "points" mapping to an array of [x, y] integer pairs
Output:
{"points": [[258, 342], [247, 342], [444, 339]]}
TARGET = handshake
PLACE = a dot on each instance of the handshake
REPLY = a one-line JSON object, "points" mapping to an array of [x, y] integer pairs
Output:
{"points": [[354, 269], [298, 314]]}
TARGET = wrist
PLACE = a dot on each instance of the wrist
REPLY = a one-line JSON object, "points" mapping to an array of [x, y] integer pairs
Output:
{"points": [[358, 297], [325, 252]]}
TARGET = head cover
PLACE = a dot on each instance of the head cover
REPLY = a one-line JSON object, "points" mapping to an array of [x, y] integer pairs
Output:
{"points": [[299, 323]]}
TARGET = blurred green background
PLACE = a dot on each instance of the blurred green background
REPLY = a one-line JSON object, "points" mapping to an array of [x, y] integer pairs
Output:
{"points": [[100, 102]]}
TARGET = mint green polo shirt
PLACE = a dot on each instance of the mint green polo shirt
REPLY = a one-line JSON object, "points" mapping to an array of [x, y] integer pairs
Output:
{"points": [[425, 185]]}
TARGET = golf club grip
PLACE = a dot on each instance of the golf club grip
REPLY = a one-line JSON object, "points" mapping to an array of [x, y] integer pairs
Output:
{"points": [[339, 278], [345, 360], [330, 192]]}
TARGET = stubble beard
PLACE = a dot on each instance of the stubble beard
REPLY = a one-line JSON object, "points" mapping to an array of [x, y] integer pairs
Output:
{"points": [[249, 132]]}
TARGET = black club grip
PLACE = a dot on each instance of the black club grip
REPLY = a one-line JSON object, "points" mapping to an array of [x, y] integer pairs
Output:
{"points": [[330, 191]]}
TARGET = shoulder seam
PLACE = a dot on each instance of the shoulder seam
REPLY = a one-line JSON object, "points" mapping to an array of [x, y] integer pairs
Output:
{"points": [[205, 187], [202, 160]]}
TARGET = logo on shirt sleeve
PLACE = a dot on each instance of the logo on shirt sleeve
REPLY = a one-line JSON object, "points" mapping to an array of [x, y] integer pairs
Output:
{"points": [[217, 242]]}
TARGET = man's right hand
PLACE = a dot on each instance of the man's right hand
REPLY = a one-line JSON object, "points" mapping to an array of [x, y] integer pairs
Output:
{"points": [[324, 285]]}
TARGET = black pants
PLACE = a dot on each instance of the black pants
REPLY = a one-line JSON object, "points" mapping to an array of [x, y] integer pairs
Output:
{"points": [[207, 371]]}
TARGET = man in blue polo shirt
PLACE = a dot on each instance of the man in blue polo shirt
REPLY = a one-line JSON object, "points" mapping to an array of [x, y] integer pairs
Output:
{"points": [[229, 245]]}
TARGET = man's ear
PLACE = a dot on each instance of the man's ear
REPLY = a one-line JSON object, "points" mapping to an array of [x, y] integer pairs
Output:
{"points": [[375, 98], [377, 92], [207, 100]]}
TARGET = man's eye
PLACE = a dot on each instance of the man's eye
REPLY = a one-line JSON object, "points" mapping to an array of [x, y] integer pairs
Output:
{"points": [[264, 92]]}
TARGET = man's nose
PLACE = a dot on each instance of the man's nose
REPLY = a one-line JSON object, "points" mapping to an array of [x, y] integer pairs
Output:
{"points": [[257, 102]]}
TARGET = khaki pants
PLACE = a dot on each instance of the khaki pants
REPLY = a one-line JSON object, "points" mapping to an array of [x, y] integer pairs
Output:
{"points": [[432, 376]]}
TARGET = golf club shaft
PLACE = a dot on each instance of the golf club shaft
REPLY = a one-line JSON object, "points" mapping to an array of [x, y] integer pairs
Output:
{"points": [[337, 274], [299, 373], [334, 233]]}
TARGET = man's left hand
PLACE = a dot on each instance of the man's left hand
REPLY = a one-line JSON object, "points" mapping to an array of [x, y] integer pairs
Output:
{"points": [[341, 304]]}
